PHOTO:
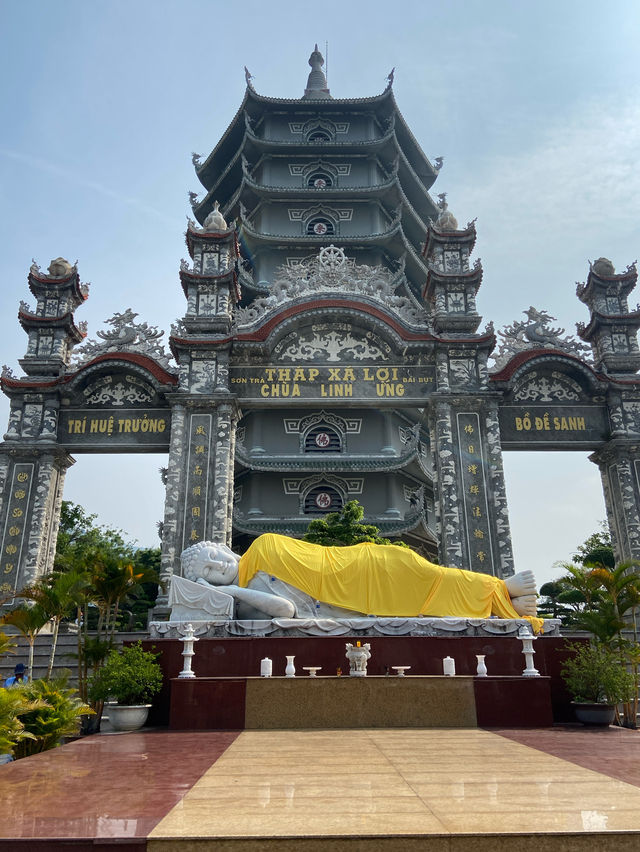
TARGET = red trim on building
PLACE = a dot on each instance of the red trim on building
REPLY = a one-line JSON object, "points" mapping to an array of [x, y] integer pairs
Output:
{"points": [[148, 364], [522, 357]]}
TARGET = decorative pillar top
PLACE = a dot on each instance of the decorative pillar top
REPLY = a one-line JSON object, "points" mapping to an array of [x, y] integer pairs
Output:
{"points": [[317, 86]]}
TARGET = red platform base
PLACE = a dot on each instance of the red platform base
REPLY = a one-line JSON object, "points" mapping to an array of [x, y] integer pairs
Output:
{"points": [[217, 697]]}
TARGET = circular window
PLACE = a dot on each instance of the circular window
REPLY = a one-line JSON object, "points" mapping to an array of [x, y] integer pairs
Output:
{"points": [[322, 499], [319, 180], [322, 439], [320, 227]]}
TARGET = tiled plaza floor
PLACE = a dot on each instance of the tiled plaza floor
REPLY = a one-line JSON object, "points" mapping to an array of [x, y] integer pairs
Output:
{"points": [[438, 789]]}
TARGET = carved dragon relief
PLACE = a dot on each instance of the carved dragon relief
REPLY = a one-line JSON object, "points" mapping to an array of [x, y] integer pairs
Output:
{"points": [[535, 333], [330, 272], [125, 336]]}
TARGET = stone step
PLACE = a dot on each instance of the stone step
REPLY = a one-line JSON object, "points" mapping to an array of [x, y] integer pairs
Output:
{"points": [[66, 650]]}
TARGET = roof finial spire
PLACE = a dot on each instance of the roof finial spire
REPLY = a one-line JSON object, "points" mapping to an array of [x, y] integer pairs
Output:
{"points": [[317, 86]]}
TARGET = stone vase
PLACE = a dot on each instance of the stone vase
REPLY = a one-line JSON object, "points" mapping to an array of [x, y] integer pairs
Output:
{"points": [[290, 670], [128, 717], [594, 714], [482, 667]]}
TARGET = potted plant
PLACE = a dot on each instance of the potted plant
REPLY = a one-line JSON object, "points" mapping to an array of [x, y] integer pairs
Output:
{"points": [[130, 677], [598, 682]]}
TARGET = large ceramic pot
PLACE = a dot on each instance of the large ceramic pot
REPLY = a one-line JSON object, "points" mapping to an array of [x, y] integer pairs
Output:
{"points": [[128, 717], [594, 714]]}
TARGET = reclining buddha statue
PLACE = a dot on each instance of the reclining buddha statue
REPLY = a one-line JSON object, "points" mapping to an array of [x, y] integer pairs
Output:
{"points": [[282, 577]]}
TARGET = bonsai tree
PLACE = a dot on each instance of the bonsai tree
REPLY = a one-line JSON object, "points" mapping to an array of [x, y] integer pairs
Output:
{"points": [[343, 528], [130, 676], [594, 675]]}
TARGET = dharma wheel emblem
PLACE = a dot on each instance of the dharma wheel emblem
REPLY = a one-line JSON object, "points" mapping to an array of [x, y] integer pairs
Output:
{"points": [[320, 229], [322, 440], [331, 258], [323, 500]]}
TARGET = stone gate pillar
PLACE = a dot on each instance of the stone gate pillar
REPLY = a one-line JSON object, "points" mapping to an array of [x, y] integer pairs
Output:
{"points": [[32, 485], [619, 464], [199, 478], [470, 496]]}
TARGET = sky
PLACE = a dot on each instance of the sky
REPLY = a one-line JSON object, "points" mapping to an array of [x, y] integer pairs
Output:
{"points": [[534, 106]]}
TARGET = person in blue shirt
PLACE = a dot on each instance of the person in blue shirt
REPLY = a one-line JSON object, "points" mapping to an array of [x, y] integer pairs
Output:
{"points": [[18, 676]]}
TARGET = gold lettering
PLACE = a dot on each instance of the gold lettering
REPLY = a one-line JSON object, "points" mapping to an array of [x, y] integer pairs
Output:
{"points": [[469, 429], [14, 530], [197, 470], [200, 430], [196, 491], [478, 534], [474, 489], [196, 511], [17, 513], [22, 477], [8, 567], [10, 548], [20, 494], [200, 449], [473, 468]]}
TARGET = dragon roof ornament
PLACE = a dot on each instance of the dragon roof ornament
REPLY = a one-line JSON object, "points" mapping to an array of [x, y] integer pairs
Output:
{"points": [[330, 271], [534, 333], [125, 336]]}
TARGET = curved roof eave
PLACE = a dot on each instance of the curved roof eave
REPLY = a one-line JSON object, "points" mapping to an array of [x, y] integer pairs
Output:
{"points": [[162, 376], [507, 372], [412, 140], [203, 171]]}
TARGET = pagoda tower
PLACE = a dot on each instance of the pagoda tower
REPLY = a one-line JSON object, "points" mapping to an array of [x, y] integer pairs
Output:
{"points": [[329, 194]]}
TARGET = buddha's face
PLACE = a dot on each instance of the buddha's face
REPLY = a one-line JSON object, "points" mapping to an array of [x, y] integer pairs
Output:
{"points": [[219, 569]]}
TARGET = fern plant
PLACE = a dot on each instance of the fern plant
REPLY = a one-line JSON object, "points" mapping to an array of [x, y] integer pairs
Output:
{"points": [[55, 713]]}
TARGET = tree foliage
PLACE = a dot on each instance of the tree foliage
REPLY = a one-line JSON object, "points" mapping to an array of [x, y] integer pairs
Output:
{"points": [[598, 547], [131, 676], [593, 674], [602, 598], [53, 710], [344, 528]]}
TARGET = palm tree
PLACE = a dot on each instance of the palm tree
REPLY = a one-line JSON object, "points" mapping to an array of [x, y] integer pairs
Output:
{"points": [[56, 595], [29, 620]]}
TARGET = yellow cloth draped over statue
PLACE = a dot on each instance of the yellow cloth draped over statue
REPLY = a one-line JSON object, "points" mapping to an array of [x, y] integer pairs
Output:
{"points": [[380, 580]]}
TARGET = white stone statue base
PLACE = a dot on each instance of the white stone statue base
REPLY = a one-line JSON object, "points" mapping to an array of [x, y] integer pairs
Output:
{"points": [[218, 629]]}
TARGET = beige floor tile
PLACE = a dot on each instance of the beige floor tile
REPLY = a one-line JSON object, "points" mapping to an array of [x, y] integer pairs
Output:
{"points": [[292, 803], [541, 822], [200, 822]]}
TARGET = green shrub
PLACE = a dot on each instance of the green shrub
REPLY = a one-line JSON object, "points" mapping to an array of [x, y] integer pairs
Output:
{"points": [[13, 702], [595, 674], [53, 712], [130, 676]]}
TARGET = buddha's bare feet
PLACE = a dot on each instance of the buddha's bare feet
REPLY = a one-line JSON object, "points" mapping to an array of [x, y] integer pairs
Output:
{"points": [[525, 604], [520, 584]]}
